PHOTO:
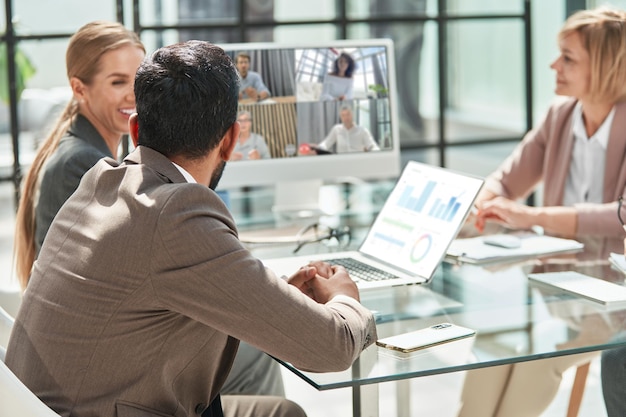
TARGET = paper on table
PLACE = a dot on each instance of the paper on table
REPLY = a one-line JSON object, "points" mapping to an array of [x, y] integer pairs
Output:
{"points": [[618, 261], [594, 289], [476, 251]]}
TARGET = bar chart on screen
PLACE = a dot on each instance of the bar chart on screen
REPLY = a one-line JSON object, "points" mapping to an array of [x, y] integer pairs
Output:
{"points": [[429, 201]]}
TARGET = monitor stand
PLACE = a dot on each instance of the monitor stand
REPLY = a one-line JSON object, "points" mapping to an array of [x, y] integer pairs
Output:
{"points": [[296, 206], [297, 200]]}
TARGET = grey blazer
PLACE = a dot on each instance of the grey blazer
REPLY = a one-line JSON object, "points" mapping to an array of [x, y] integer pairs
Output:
{"points": [[141, 291], [78, 151]]}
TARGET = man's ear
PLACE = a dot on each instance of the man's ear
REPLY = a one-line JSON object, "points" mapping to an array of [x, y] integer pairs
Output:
{"points": [[229, 141], [133, 128], [78, 88]]}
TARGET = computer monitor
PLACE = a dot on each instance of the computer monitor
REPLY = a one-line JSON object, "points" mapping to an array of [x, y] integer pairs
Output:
{"points": [[306, 103]]}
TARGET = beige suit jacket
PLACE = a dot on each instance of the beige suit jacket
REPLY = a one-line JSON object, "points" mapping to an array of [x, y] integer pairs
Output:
{"points": [[544, 155], [141, 290]]}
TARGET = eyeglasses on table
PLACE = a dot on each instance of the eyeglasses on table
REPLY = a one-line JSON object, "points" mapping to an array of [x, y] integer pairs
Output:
{"points": [[316, 232]]}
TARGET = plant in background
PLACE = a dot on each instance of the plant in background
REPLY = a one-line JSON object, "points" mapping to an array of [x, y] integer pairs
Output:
{"points": [[24, 70], [378, 89]]}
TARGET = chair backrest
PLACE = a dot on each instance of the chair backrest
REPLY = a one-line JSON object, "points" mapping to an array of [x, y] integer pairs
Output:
{"points": [[9, 304], [17, 400], [15, 397], [6, 324], [10, 300]]}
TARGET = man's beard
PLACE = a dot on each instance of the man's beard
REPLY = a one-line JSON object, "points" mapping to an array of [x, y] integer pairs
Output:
{"points": [[217, 174]]}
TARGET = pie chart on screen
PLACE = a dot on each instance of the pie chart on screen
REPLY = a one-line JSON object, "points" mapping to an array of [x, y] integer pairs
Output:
{"points": [[421, 247]]}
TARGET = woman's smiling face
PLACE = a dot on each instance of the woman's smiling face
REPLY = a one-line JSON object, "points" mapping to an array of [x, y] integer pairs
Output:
{"points": [[109, 99]]}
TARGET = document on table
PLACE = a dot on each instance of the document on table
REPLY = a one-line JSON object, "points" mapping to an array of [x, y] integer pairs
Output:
{"points": [[594, 289], [618, 261], [475, 250]]}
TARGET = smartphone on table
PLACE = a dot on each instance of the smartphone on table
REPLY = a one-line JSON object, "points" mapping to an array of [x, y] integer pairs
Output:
{"points": [[425, 338]]}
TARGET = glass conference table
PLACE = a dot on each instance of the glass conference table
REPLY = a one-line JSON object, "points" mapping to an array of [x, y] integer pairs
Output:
{"points": [[515, 320]]}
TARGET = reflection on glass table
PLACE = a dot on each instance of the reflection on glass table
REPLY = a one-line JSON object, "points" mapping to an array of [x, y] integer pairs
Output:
{"points": [[515, 320]]}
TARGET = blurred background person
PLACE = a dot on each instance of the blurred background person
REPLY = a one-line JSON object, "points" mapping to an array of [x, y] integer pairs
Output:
{"points": [[339, 84], [347, 136], [251, 85], [250, 145]]}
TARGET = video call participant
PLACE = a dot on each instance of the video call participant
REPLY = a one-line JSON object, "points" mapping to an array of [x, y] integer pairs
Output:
{"points": [[339, 84], [142, 288], [250, 145], [579, 153], [348, 137], [251, 84]]}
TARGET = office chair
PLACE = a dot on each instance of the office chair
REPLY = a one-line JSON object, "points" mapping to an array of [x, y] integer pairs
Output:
{"points": [[6, 324], [10, 300], [17, 400], [578, 389]]}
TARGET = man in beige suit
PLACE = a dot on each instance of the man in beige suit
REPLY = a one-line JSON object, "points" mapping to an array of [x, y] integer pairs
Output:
{"points": [[142, 288]]}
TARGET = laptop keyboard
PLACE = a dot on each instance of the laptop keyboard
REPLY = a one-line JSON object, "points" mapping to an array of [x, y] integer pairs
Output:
{"points": [[361, 271]]}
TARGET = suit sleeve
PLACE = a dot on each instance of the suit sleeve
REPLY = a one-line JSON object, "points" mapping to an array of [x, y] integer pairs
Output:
{"points": [[208, 275], [521, 171], [599, 220]]}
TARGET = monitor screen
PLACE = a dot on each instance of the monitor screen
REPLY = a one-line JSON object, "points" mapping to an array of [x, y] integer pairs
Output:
{"points": [[316, 112]]}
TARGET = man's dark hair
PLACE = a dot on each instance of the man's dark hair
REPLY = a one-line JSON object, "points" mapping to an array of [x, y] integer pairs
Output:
{"points": [[186, 96]]}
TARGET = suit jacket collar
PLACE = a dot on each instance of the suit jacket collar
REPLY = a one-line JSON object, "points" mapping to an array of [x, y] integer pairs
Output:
{"points": [[82, 128], [156, 161], [558, 168], [615, 152]]}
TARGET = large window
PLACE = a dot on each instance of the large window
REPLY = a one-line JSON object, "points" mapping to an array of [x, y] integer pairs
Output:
{"points": [[470, 72]]}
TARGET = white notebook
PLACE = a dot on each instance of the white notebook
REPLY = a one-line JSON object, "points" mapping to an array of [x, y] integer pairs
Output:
{"points": [[594, 289], [475, 251]]}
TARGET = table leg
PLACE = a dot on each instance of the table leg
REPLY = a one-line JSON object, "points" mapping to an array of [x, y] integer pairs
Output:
{"points": [[365, 401], [365, 397], [403, 397]]}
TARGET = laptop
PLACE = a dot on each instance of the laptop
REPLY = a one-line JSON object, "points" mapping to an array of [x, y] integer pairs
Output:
{"points": [[410, 236]]}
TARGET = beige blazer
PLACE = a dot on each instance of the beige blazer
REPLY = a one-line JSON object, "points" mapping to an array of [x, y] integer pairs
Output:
{"points": [[545, 154], [142, 289]]}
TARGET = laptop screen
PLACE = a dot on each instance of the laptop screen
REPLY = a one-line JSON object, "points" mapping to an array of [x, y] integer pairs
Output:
{"points": [[420, 218]]}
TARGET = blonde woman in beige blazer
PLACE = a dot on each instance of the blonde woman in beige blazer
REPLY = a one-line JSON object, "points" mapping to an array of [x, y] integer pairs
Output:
{"points": [[579, 154]]}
